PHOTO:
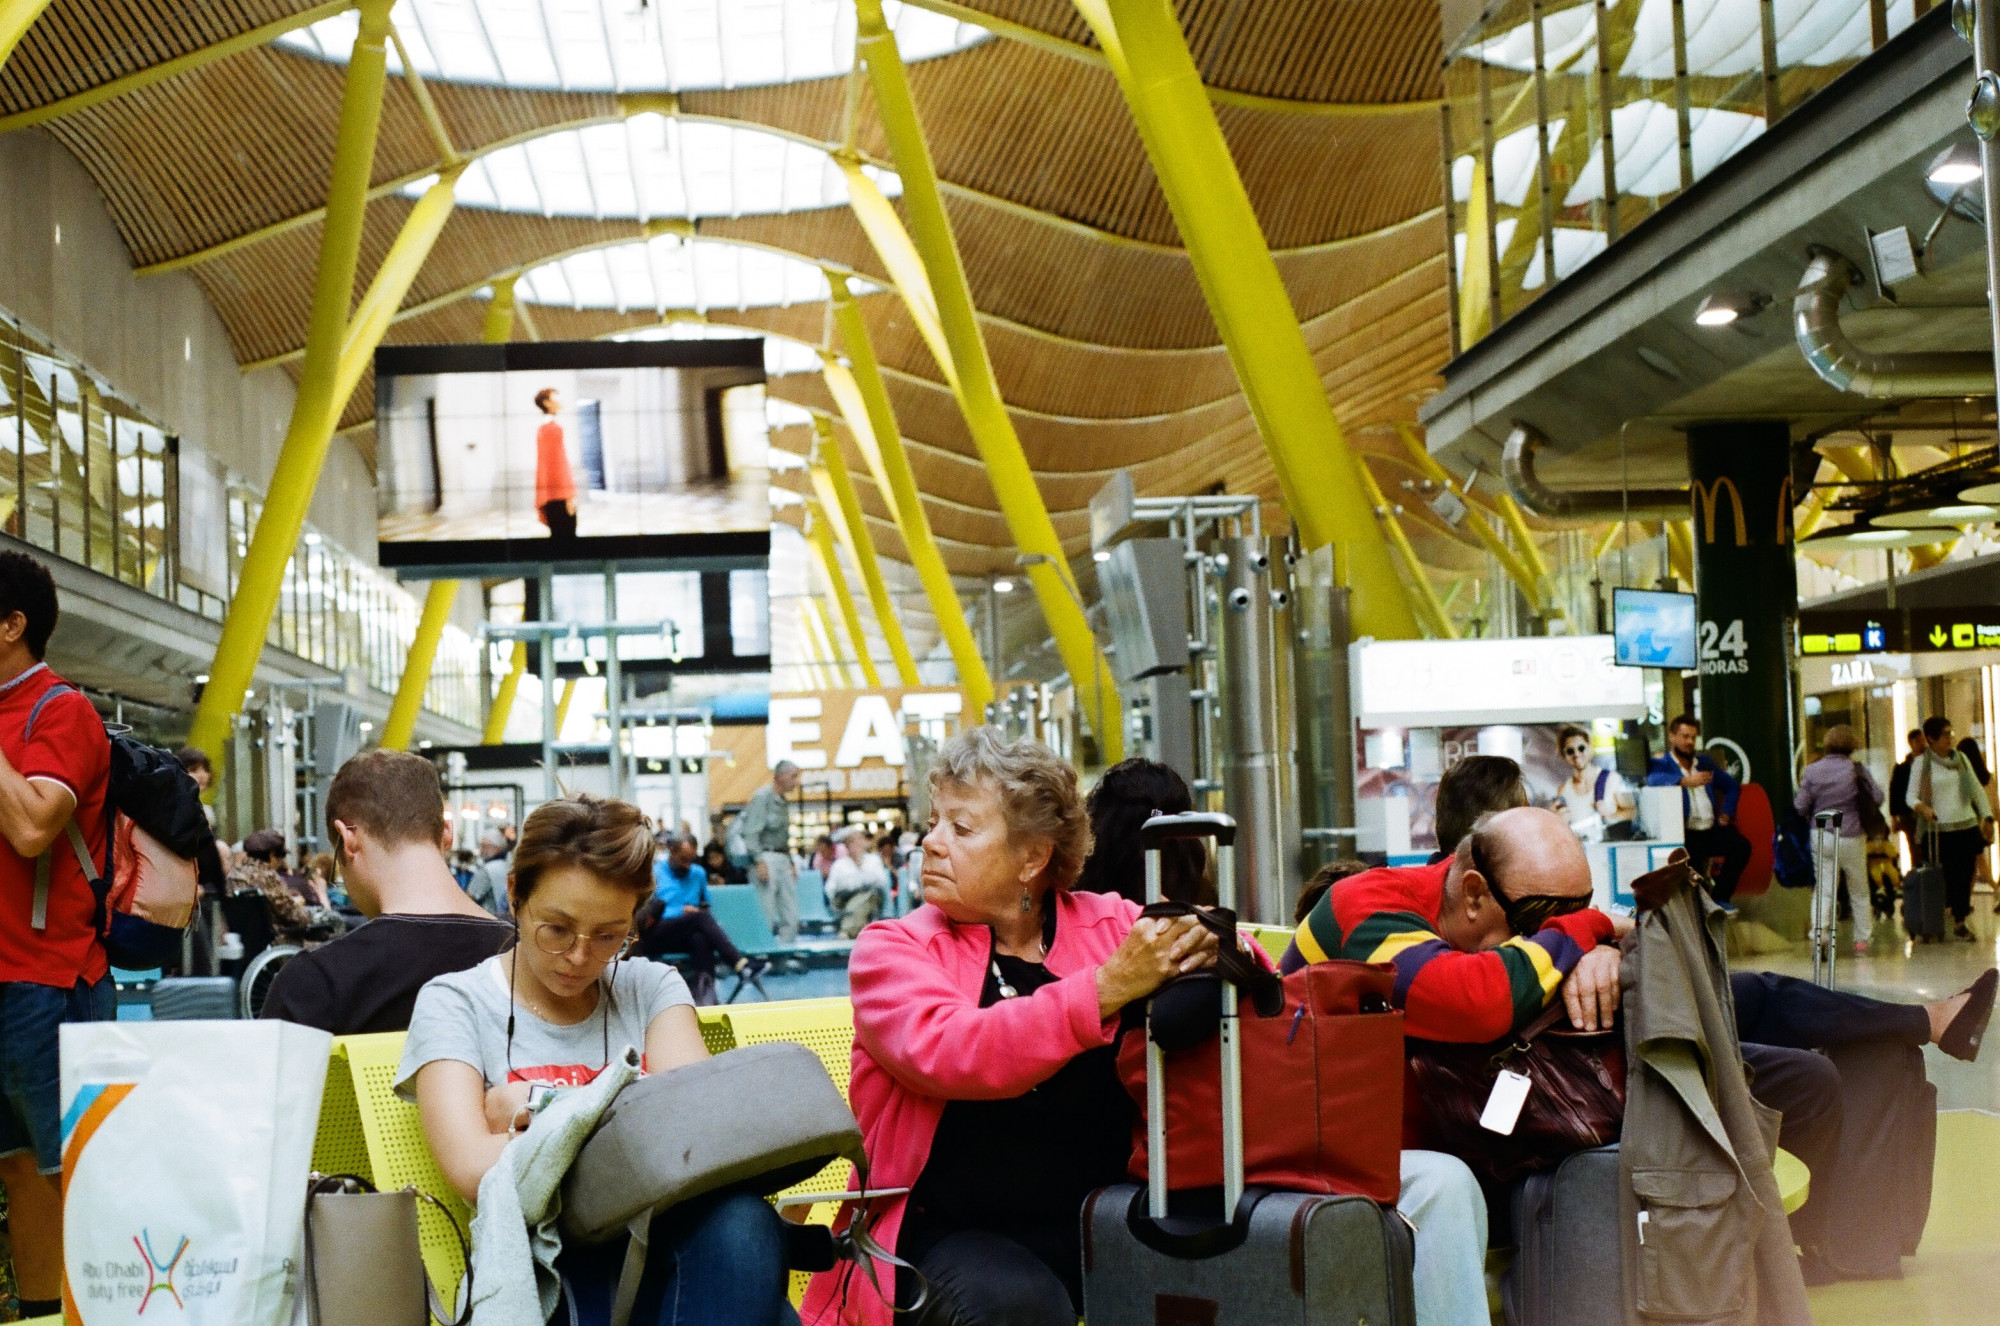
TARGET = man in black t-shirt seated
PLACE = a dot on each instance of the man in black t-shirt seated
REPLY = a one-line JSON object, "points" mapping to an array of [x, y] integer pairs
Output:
{"points": [[385, 815]]}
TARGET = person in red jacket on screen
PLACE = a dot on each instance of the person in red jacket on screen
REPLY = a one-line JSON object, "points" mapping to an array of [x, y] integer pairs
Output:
{"points": [[555, 487]]}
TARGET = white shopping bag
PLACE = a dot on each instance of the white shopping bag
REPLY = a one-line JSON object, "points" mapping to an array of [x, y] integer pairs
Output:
{"points": [[186, 1147]]}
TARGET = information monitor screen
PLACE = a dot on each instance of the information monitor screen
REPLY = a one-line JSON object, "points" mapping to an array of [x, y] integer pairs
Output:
{"points": [[570, 452], [1653, 629]]}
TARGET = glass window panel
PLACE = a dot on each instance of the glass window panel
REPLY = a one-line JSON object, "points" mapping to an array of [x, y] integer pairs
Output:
{"points": [[10, 435], [750, 612], [670, 597]]}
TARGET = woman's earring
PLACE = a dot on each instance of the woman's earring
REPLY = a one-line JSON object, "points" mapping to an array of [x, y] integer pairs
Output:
{"points": [[1027, 901]]}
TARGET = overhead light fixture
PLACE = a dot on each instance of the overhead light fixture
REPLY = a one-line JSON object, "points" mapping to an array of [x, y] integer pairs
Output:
{"points": [[1981, 492], [1101, 555], [1003, 587], [1955, 167], [1866, 534], [1940, 515], [1724, 307]]}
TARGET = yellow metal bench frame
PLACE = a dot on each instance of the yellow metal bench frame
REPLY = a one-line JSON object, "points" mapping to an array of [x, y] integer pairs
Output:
{"points": [[366, 1129]]}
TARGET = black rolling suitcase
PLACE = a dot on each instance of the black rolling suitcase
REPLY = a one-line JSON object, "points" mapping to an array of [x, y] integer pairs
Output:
{"points": [[1923, 892], [1566, 1234], [1281, 1257], [1878, 1198], [178, 998]]}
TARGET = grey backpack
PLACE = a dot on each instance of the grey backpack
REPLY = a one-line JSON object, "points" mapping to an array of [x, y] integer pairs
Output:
{"points": [[662, 1142]]}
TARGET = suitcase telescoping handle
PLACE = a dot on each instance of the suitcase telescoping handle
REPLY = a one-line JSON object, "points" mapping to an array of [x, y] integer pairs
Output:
{"points": [[1825, 894], [1222, 830]]}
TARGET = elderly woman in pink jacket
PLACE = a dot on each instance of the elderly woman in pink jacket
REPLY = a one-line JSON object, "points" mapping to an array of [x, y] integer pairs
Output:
{"points": [[984, 1029]]}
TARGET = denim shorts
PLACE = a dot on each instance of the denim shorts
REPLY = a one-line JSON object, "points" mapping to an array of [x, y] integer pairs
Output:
{"points": [[30, 1077]]}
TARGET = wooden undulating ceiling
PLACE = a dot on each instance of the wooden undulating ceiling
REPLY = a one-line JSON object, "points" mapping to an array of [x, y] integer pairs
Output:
{"points": [[1100, 337]]}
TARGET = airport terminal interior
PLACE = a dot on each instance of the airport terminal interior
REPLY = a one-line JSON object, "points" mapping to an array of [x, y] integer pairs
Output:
{"points": [[792, 417]]}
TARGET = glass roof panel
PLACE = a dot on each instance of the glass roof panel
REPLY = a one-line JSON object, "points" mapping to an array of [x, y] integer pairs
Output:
{"points": [[669, 273], [653, 166], [634, 45], [1724, 37]]}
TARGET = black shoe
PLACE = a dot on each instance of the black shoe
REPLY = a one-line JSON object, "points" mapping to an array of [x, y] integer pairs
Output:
{"points": [[1960, 931], [1962, 1034], [751, 968]]}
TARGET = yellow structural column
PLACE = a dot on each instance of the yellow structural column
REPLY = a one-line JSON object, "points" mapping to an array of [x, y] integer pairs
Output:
{"points": [[314, 409], [16, 17], [401, 725], [1440, 620], [391, 285], [1489, 538], [971, 375], [819, 538], [1316, 470], [829, 461], [878, 424]]}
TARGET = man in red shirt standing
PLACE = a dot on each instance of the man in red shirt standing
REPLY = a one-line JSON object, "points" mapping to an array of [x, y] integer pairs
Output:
{"points": [[55, 763], [555, 486]]}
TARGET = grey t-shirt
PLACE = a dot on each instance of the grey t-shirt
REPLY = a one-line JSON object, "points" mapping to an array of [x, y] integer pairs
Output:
{"points": [[463, 1017]]}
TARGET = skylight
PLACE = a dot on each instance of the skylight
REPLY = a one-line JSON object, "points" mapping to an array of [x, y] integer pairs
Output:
{"points": [[655, 166], [668, 273], [634, 45], [782, 355], [1724, 37]]}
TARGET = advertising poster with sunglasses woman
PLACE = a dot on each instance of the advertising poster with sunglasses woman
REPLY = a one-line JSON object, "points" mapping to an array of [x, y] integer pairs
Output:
{"points": [[1400, 767]]}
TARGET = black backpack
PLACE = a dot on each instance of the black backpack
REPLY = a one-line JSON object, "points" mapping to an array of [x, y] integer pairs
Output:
{"points": [[148, 787]]}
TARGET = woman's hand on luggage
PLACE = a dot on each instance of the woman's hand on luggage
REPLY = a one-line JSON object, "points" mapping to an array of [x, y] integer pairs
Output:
{"points": [[1157, 949], [1591, 992]]}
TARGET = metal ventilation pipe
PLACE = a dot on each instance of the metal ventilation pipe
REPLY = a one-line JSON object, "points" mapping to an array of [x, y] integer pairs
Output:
{"points": [[1517, 466], [1842, 364]]}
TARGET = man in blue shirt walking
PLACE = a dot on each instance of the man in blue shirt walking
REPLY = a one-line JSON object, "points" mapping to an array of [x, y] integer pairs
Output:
{"points": [[1708, 805], [678, 920]]}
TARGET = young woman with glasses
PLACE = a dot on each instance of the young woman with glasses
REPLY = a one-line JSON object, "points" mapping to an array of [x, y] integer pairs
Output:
{"points": [[488, 1046]]}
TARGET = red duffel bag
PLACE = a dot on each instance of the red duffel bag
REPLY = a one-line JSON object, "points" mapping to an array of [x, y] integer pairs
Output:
{"points": [[1322, 1088]]}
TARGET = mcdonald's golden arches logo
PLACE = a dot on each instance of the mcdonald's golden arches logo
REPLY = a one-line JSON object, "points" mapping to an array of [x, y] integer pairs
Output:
{"points": [[1707, 495]]}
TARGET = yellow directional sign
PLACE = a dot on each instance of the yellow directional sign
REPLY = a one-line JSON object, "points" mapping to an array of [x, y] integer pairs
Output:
{"points": [[1946, 630]]}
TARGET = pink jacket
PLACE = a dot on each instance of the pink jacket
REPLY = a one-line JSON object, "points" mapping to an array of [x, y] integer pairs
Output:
{"points": [[921, 1039]]}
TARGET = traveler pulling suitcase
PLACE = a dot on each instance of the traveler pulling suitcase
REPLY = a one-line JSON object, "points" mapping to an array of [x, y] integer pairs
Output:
{"points": [[1566, 1235], [1280, 1257], [1825, 895], [1923, 890]]}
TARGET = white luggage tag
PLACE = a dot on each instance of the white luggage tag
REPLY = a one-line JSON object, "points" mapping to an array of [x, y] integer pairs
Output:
{"points": [[1503, 1107]]}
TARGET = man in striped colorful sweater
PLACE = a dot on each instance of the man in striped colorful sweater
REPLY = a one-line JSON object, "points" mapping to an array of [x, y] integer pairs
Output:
{"points": [[1482, 940]]}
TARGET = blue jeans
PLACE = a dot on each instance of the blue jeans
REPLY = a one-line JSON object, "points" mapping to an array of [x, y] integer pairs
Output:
{"points": [[715, 1261], [31, 1017], [1447, 1209]]}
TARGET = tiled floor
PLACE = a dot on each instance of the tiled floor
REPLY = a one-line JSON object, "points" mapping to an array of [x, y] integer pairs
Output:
{"points": [[1955, 1278]]}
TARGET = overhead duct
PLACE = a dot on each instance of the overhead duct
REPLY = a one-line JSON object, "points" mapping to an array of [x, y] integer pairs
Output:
{"points": [[1843, 365], [1517, 465]]}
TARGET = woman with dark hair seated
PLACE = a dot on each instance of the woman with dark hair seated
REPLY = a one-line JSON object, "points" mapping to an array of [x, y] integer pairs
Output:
{"points": [[985, 1022], [1129, 794]]}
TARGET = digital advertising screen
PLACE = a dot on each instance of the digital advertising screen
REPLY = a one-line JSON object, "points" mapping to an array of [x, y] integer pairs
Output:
{"points": [[538, 453], [1653, 629]]}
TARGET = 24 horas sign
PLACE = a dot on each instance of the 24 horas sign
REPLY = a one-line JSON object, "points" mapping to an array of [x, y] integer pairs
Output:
{"points": [[847, 743]]}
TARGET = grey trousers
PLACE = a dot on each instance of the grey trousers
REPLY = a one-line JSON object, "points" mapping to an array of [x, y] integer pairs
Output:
{"points": [[779, 894]]}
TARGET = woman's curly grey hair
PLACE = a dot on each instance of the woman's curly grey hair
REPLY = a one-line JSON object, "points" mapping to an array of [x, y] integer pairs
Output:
{"points": [[1038, 793]]}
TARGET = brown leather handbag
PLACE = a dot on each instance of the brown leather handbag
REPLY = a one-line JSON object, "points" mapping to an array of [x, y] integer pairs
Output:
{"points": [[1576, 1095]]}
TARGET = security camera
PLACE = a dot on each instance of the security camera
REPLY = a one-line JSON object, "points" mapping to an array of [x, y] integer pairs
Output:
{"points": [[1239, 598], [1259, 561], [1280, 600]]}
